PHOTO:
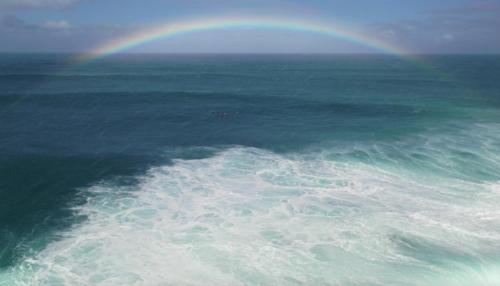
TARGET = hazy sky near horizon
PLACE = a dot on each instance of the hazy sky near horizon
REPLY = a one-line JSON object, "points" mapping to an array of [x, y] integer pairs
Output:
{"points": [[425, 26]]}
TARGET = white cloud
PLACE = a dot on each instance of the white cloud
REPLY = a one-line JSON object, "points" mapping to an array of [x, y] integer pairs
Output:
{"points": [[389, 32], [448, 37], [36, 4], [56, 25]]}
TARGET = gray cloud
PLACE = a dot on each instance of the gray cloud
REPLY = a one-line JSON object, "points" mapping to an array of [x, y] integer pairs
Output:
{"points": [[471, 27], [472, 7], [12, 22], [36, 4], [53, 35]]}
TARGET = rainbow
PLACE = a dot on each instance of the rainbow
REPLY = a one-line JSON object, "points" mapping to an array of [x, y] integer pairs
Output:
{"points": [[180, 28]]}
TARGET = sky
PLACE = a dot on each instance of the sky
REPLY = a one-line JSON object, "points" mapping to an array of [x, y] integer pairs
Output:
{"points": [[422, 27]]}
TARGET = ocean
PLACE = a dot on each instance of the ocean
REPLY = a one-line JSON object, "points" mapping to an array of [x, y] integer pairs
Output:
{"points": [[249, 170]]}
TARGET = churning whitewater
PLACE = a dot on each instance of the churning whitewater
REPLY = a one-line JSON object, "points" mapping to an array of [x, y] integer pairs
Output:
{"points": [[247, 216]]}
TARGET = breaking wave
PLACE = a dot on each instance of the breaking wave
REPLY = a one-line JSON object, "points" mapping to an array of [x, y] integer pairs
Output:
{"points": [[248, 216]]}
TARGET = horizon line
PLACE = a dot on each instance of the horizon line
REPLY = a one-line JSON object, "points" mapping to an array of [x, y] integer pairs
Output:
{"points": [[252, 53]]}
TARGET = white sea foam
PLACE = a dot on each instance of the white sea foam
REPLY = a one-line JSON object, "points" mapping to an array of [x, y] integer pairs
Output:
{"points": [[251, 217]]}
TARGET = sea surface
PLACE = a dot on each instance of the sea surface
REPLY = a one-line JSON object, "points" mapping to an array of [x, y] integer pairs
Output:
{"points": [[249, 170]]}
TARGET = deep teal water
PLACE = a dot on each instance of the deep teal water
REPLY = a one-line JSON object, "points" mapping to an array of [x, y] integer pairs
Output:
{"points": [[249, 170]]}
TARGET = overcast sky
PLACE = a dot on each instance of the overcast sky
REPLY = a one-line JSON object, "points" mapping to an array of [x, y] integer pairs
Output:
{"points": [[424, 26]]}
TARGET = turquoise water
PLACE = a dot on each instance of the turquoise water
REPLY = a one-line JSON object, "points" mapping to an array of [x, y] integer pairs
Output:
{"points": [[249, 170]]}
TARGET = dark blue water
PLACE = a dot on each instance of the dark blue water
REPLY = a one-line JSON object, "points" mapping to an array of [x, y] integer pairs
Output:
{"points": [[249, 170]]}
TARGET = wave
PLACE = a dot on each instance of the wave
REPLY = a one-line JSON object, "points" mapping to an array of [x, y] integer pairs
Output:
{"points": [[248, 216]]}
